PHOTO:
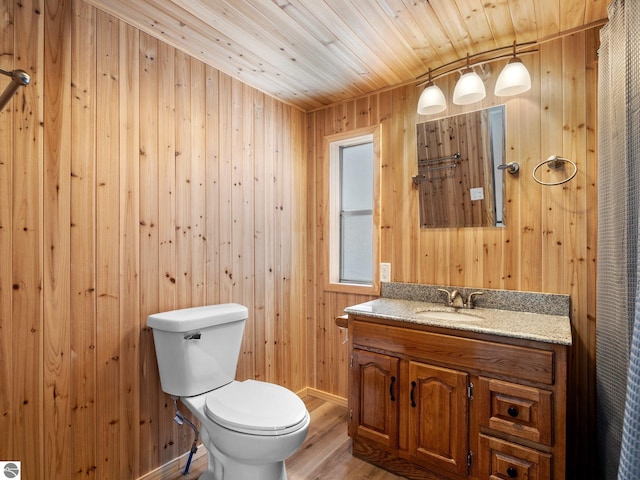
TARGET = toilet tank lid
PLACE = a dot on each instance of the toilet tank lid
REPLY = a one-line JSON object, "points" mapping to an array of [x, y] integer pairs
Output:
{"points": [[189, 319]]}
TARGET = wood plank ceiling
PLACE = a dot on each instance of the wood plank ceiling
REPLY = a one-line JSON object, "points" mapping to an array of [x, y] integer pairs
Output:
{"points": [[312, 53]]}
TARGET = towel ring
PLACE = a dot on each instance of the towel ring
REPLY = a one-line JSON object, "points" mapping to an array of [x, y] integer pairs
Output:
{"points": [[555, 162]]}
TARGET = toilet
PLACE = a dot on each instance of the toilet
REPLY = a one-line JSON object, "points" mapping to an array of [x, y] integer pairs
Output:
{"points": [[248, 427]]}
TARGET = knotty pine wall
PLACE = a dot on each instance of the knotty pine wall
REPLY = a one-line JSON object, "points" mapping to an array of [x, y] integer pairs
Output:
{"points": [[133, 179], [549, 244]]}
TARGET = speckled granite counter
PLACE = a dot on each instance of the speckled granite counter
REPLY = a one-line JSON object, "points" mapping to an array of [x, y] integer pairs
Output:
{"points": [[532, 302], [530, 326]]}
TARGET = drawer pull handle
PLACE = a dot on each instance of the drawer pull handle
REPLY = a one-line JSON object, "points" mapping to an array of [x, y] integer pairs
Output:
{"points": [[413, 400], [512, 472], [393, 382], [512, 411]]}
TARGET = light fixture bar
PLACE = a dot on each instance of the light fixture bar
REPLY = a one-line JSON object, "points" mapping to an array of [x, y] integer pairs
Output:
{"points": [[471, 64], [513, 80]]}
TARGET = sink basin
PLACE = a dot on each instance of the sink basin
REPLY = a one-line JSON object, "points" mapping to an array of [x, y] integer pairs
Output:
{"points": [[445, 313]]}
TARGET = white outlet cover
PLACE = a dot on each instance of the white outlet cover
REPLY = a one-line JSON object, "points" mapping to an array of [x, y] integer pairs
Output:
{"points": [[385, 272], [477, 193]]}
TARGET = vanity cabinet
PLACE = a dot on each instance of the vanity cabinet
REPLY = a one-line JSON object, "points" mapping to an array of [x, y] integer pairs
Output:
{"points": [[436, 417], [430, 402]]}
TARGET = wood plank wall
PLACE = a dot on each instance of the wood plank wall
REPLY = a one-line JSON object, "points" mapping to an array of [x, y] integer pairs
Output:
{"points": [[549, 244], [133, 179]]}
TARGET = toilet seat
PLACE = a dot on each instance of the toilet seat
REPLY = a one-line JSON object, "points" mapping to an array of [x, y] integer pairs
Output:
{"points": [[256, 408]]}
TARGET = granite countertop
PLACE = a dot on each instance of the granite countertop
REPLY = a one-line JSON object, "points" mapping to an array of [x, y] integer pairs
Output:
{"points": [[515, 324]]}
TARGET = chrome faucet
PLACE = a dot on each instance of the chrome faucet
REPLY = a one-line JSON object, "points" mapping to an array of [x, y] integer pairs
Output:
{"points": [[469, 303], [455, 300]]}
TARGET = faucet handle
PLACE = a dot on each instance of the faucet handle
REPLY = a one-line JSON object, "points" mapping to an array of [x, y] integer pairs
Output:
{"points": [[470, 303], [449, 295]]}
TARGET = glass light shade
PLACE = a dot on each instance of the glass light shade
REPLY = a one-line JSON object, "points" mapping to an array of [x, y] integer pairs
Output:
{"points": [[513, 79], [431, 100], [469, 88]]}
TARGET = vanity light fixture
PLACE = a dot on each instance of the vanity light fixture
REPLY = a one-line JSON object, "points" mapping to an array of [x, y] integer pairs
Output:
{"points": [[513, 80], [431, 99], [470, 87]]}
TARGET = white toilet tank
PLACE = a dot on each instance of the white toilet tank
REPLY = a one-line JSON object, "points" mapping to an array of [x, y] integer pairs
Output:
{"points": [[198, 348]]}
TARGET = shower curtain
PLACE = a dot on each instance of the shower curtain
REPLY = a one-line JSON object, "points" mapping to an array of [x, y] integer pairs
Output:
{"points": [[630, 449], [618, 293]]}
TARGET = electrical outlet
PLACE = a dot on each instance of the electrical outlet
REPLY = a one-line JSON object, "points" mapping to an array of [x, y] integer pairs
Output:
{"points": [[385, 272], [477, 193]]}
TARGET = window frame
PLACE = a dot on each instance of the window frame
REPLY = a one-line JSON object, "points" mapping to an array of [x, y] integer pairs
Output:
{"points": [[331, 230]]}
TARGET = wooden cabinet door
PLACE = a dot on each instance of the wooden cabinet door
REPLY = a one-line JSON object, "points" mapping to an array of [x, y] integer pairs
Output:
{"points": [[374, 397], [438, 417]]}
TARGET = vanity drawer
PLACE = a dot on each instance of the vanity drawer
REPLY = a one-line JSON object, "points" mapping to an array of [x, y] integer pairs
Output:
{"points": [[518, 410], [513, 361], [502, 460]]}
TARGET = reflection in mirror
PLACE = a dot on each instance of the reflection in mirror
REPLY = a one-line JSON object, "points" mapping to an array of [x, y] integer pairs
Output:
{"points": [[459, 182]]}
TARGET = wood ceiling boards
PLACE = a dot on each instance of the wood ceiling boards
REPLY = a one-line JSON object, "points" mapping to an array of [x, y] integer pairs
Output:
{"points": [[311, 53]]}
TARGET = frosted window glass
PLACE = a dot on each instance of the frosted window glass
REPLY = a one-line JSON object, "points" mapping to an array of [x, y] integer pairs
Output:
{"points": [[357, 177], [356, 235], [356, 213]]}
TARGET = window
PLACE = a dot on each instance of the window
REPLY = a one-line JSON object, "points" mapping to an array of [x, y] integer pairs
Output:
{"points": [[353, 233]]}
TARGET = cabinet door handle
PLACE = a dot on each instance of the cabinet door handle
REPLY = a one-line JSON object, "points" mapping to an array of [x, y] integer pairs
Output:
{"points": [[512, 472], [413, 400], [512, 411], [393, 382]]}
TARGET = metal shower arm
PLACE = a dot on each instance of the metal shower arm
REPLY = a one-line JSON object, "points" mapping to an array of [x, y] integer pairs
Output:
{"points": [[19, 78]]}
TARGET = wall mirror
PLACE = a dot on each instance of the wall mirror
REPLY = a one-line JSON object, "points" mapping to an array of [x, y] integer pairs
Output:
{"points": [[458, 180]]}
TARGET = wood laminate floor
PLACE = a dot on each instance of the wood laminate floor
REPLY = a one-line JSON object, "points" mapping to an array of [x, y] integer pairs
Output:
{"points": [[326, 452]]}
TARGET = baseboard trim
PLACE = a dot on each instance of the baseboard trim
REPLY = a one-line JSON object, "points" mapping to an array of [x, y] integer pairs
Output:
{"points": [[174, 468], [328, 397]]}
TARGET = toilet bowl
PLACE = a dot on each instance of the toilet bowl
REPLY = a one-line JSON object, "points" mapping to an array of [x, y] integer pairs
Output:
{"points": [[247, 427]]}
